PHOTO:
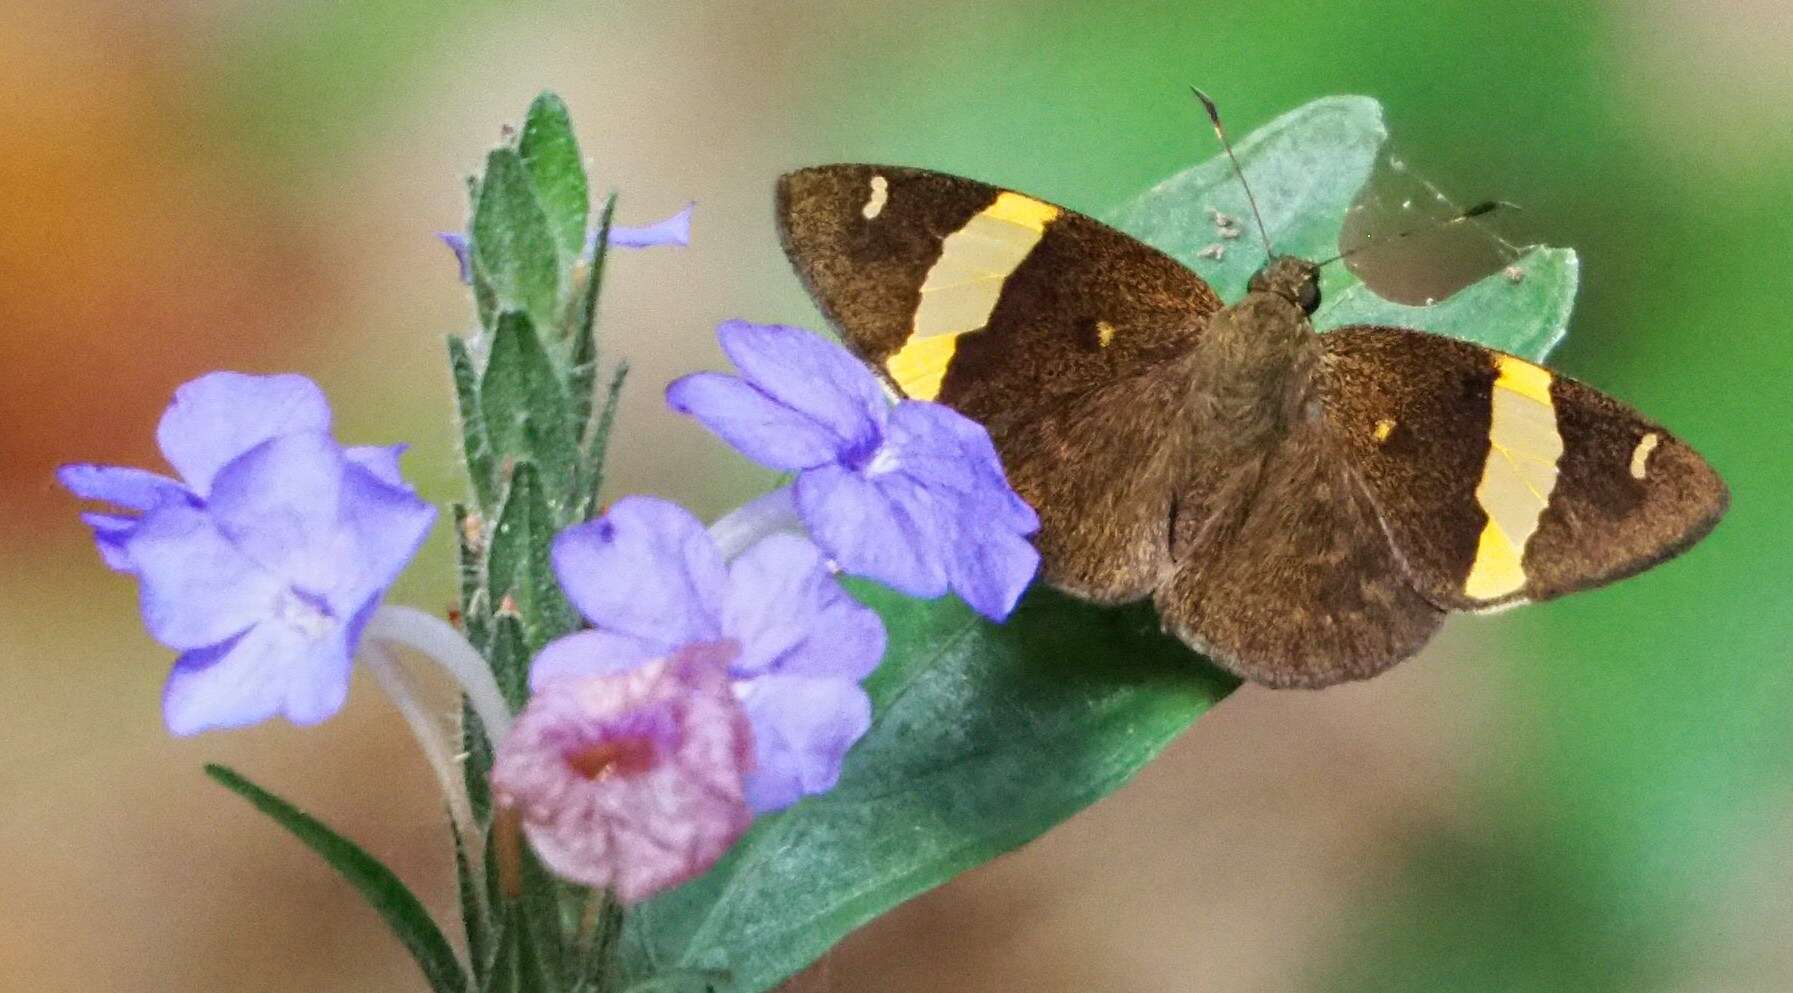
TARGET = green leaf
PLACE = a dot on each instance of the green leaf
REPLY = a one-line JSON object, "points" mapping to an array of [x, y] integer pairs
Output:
{"points": [[519, 564], [525, 409], [383, 891], [510, 657], [514, 249], [1307, 168], [985, 736], [582, 370], [476, 446], [597, 446], [551, 155]]}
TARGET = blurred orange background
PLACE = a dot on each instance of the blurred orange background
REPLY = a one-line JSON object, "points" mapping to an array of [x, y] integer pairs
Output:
{"points": [[1592, 795]]}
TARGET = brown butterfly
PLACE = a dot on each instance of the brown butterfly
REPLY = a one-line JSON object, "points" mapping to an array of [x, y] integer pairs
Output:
{"points": [[1302, 508]]}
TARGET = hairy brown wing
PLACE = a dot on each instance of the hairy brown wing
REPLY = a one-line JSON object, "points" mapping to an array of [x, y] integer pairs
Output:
{"points": [[1498, 481], [1292, 583], [1053, 330]]}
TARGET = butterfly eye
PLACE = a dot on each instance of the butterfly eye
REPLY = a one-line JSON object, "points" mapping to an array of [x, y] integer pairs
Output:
{"points": [[1308, 295]]}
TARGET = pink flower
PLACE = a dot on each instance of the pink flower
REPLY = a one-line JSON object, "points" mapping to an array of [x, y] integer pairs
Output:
{"points": [[632, 780]]}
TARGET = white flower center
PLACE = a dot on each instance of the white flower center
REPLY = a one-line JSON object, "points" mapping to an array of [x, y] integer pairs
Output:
{"points": [[304, 614]]}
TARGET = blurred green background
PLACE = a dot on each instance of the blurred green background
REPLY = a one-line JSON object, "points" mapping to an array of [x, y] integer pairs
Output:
{"points": [[1591, 795]]}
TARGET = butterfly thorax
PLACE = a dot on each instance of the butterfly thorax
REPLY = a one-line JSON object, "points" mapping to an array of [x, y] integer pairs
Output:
{"points": [[1252, 373]]}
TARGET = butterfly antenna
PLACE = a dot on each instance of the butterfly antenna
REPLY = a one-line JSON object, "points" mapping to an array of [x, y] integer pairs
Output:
{"points": [[1485, 207], [1220, 132]]}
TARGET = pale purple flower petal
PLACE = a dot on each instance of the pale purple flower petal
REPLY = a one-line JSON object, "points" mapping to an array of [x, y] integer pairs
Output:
{"points": [[381, 460], [647, 568], [265, 570], [802, 730], [584, 654], [792, 618], [221, 415], [993, 569], [630, 574], [463, 252], [278, 500], [759, 427], [272, 670], [631, 781], [912, 496], [884, 528], [385, 524], [197, 587], [674, 231], [135, 489], [812, 376], [110, 533]]}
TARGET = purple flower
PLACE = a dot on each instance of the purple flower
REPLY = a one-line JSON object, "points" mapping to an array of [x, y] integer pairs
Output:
{"points": [[631, 780], [650, 580], [912, 495], [263, 561], [674, 231]]}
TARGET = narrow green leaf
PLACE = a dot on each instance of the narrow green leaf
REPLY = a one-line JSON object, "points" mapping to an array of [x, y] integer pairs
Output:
{"points": [[474, 921], [985, 736], [382, 890], [533, 975], [541, 912], [596, 972], [501, 977], [513, 247], [583, 369], [477, 748], [551, 155], [519, 564], [476, 447], [510, 660], [525, 408], [597, 446]]}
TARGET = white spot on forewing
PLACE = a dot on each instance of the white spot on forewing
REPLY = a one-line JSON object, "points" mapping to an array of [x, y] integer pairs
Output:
{"points": [[880, 196], [1640, 456]]}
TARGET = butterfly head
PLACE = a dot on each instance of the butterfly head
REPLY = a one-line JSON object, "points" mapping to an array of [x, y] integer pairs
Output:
{"points": [[1296, 280]]}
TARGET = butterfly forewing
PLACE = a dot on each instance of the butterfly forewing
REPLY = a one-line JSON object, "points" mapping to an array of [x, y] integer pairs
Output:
{"points": [[1055, 331], [979, 297], [1499, 481]]}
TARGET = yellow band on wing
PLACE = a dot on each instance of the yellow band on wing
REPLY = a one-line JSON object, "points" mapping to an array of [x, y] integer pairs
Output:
{"points": [[921, 364], [1517, 478]]}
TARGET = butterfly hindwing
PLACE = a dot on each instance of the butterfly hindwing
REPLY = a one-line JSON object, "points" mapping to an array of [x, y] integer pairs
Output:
{"points": [[1500, 482], [1055, 331]]}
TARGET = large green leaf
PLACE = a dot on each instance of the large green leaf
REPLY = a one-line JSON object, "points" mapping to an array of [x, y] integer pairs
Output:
{"points": [[383, 891], [987, 735]]}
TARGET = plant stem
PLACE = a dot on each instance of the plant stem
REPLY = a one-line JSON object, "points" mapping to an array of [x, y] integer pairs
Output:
{"points": [[432, 738], [737, 530], [438, 640]]}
